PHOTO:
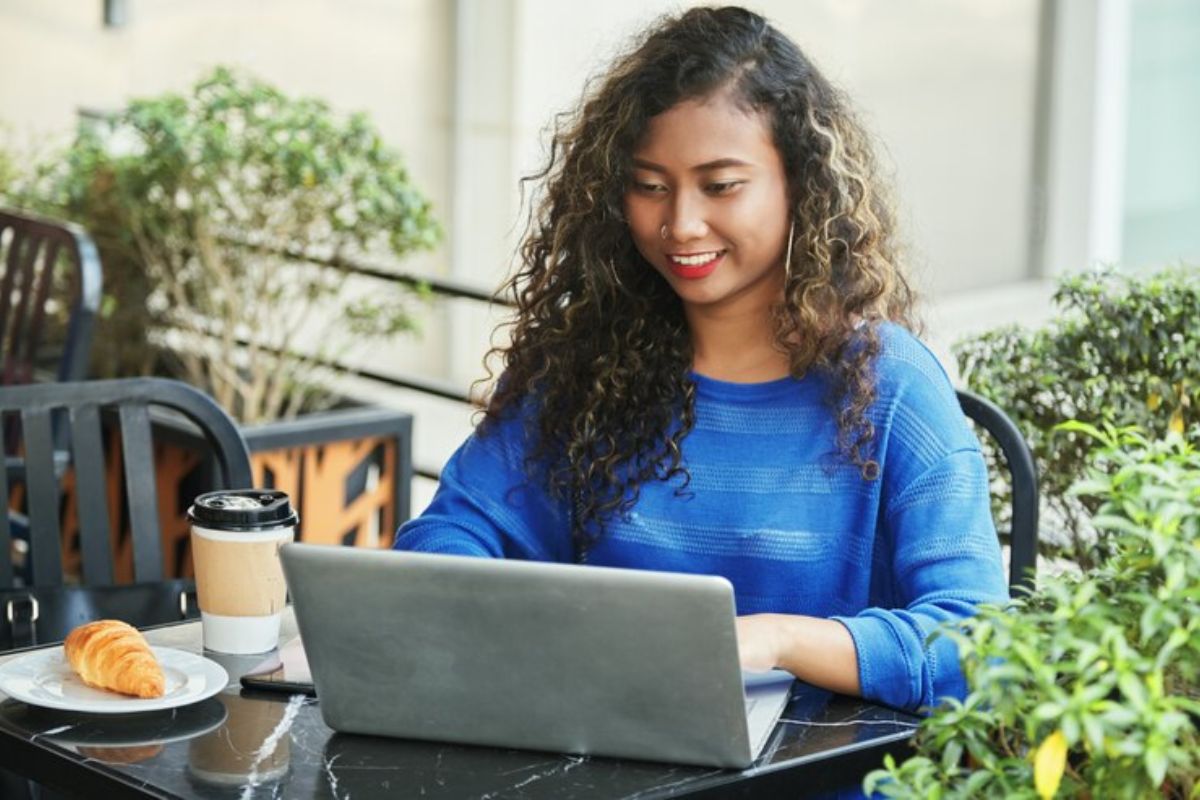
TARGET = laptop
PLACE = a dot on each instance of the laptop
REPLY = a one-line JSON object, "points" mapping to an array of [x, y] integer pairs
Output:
{"points": [[556, 657]]}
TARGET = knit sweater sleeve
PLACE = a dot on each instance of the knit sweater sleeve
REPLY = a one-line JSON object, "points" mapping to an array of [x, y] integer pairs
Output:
{"points": [[486, 504], [935, 527]]}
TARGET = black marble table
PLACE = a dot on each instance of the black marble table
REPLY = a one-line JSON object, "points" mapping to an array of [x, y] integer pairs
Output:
{"points": [[245, 745]]}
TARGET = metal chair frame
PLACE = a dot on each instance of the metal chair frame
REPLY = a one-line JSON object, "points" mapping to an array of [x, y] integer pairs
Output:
{"points": [[1023, 472], [34, 250]]}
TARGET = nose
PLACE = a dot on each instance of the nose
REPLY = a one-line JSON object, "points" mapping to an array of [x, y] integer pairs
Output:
{"points": [[686, 219]]}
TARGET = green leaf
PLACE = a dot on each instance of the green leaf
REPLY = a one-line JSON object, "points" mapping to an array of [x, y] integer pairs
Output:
{"points": [[1156, 764], [1094, 732], [976, 783], [952, 756], [1070, 728], [1047, 711]]}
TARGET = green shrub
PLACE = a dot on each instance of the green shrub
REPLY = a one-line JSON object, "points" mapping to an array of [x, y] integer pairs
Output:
{"points": [[1124, 348], [200, 203], [1091, 686]]}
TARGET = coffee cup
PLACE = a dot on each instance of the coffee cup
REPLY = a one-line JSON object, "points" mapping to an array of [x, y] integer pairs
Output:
{"points": [[236, 536]]}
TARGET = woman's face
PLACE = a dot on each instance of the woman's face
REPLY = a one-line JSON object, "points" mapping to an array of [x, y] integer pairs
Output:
{"points": [[709, 172]]}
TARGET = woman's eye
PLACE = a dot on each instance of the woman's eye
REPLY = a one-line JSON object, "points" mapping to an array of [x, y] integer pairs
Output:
{"points": [[723, 187], [650, 188]]}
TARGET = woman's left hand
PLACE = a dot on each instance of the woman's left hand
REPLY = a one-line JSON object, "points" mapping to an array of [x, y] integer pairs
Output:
{"points": [[758, 642]]}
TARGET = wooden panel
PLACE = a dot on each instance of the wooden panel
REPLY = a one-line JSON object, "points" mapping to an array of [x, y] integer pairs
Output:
{"points": [[279, 469], [175, 465], [330, 518], [72, 556], [314, 476], [122, 542]]}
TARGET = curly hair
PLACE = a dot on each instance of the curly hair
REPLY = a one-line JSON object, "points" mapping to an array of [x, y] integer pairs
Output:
{"points": [[599, 342]]}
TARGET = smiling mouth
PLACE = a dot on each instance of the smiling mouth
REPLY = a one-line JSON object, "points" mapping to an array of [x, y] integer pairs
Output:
{"points": [[694, 265], [695, 259]]}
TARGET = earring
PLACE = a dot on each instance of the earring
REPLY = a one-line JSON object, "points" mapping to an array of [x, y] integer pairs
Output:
{"points": [[788, 259], [663, 231]]}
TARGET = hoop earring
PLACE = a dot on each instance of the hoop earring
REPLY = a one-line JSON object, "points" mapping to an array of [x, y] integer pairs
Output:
{"points": [[788, 259], [663, 231]]}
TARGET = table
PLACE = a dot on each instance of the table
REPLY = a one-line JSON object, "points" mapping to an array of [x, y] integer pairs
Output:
{"points": [[252, 744]]}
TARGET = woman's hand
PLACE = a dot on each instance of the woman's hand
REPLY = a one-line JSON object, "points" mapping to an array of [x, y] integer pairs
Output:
{"points": [[758, 642], [819, 651]]}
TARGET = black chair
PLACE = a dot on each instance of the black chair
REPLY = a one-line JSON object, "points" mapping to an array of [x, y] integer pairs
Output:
{"points": [[50, 277], [45, 265], [47, 609], [1023, 535]]}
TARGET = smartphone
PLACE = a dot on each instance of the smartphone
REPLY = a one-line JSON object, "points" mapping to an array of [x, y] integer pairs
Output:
{"points": [[277, 681], [285, 671]]}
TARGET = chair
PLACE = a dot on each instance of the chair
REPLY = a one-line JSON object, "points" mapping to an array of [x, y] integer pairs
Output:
{"points": [[1023, 535], [47, 269], [37, 256], [47, 609]]}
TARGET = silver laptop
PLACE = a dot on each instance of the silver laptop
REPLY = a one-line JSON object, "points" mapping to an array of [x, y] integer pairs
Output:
{"points": [[558, 657]]}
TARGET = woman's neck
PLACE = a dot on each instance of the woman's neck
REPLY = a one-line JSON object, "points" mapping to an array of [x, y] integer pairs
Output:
{"points": [[736, 347]]}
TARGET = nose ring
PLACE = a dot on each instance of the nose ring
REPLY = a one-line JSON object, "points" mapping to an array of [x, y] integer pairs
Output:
{"points": [[663, 231]]}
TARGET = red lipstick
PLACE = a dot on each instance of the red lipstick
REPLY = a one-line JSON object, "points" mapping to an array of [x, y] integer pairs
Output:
{"points": [[695, 271]]}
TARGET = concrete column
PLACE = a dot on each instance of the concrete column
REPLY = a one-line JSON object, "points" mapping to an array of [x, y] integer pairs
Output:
{"points": [[484, 194], [1085, 176]]}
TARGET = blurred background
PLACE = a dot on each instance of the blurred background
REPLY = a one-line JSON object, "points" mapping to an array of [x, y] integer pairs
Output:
{"points": [[1025, 138]]}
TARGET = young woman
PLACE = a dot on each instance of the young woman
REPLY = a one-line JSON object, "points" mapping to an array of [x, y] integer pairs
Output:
{"points": [[711, 370]]}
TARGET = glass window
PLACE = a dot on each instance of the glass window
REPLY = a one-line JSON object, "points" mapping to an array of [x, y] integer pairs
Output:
{"points": [[1161, 223]]}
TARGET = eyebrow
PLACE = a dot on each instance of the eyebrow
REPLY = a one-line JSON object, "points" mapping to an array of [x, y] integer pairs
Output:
{"points": [[707, 166]]}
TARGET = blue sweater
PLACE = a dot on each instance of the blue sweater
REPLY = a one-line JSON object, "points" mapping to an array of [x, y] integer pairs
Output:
{"points": [[793, 527]]}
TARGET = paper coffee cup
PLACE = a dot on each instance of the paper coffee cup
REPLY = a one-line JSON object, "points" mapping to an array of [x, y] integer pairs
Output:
{"points": [[236, 536]]}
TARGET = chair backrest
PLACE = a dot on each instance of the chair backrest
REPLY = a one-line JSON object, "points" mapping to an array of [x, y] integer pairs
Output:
{"points": [[1023, 473], [80, 405], [37, 257]]}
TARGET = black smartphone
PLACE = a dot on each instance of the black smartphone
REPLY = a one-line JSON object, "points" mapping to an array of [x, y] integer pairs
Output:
{"points": [[285, 671], [277, 681]]}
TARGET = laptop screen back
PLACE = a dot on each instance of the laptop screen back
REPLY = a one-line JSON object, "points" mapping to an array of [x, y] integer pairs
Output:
{"points": [[625, 663]]}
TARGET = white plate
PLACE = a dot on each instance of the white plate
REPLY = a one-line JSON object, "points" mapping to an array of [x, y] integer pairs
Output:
{"points": [[46, 679]]}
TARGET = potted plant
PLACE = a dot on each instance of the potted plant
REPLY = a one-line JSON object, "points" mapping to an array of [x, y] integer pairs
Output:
{"points": [[1091, 686], [222, 216]]}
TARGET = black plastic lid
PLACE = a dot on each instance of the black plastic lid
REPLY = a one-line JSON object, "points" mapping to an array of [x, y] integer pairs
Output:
{"points": [[243, 510]]}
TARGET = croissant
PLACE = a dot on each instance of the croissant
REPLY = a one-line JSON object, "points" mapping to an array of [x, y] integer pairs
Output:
{"points": [[110, 654]]}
